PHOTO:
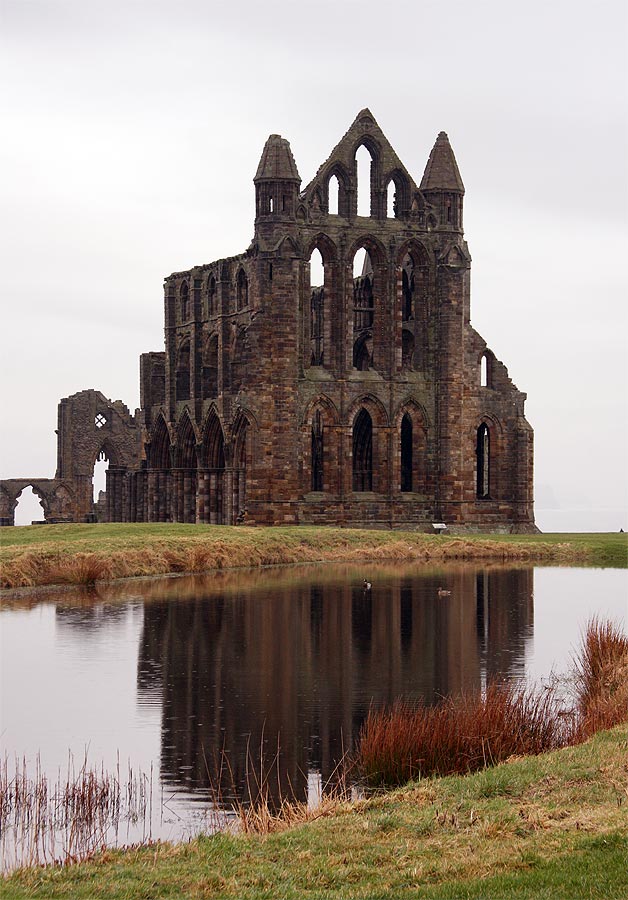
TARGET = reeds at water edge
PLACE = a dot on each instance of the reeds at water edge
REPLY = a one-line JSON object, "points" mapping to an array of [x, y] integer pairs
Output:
{"points": [[71, 818], [471, 731]]}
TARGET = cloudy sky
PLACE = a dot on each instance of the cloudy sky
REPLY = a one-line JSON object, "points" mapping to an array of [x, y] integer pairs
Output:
{"points": [[132, 131]]}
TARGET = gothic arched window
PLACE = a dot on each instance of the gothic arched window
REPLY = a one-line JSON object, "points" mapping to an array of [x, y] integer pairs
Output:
{"points": [[406, 453], [363, 452], [483, 462]]}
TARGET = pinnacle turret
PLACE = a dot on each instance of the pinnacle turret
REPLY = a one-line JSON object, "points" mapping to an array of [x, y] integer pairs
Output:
{"points": [[277, 162], [441, 172]]}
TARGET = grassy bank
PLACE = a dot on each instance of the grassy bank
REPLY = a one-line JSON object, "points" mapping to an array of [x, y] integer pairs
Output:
{"points": [[546, 826], [82, 554]]}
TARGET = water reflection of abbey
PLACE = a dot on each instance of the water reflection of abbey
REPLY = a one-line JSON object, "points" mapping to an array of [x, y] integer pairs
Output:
{"points": [[298, 667]]}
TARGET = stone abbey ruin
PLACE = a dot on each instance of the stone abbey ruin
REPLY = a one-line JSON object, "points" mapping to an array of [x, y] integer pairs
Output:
{"points": [[366, 399]]}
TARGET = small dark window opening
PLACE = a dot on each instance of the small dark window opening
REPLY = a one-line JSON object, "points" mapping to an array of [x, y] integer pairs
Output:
{"points": [[185, 301], [407, 289], [270, 272], [406, 453], [183, 374], [211, 295], [483, 460], [317, 307], [362, 353], [363, 452], [317, 452], [242, 290], [449, 211], [407, 349], [283, 203]]}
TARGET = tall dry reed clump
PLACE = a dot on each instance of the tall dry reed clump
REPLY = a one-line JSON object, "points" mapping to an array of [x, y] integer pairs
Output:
{"points": [[459, 734], [472, 731], [81, 568], [601, 678]]}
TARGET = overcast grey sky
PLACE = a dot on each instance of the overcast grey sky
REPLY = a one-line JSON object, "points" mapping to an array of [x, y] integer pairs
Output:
{"points": [[132, 131]]}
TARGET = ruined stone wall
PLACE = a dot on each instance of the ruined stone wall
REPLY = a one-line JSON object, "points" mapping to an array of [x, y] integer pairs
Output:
{"points": [[357, 401]]}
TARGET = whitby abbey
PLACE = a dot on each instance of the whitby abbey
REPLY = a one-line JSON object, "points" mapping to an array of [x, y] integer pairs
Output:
{"points": [[363, 397]]}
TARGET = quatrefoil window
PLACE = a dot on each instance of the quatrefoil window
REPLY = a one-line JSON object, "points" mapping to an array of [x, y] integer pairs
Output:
{"points": [[100, 420]]}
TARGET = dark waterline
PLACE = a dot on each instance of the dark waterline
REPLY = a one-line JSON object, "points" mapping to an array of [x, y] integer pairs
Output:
{"points": [[174, 672]]}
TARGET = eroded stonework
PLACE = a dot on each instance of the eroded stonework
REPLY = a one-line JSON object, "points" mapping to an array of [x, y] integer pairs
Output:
{"points": [[365, 400]]}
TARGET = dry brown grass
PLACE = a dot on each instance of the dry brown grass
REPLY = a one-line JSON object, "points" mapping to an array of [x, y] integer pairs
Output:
{"points": [[601, 678], [82, 568], [459, 734], [48, 563], [470, 732]]}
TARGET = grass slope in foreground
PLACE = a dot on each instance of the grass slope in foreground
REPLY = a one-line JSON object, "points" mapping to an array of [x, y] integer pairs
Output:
{"points": [[82, 554], [550, 826]]}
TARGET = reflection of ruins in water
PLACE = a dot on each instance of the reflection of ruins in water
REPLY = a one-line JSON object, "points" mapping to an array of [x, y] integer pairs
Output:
{"points": [[298, 666]]}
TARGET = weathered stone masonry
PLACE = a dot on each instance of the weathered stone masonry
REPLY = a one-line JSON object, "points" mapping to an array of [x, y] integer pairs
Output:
{"points": [[364, 400]]}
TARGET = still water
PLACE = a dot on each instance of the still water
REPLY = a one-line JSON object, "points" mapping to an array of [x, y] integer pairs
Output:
{"points": [[173, 674]]}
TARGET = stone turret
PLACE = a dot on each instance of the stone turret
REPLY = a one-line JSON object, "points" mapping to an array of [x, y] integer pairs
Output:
{"points": [[442, 186], [277, 182]]}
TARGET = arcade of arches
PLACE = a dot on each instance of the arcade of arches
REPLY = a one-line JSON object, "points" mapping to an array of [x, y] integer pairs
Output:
{"points": [[329, 374]]}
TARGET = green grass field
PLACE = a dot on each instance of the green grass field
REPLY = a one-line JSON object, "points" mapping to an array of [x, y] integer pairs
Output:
{"points": [[551, 826]]}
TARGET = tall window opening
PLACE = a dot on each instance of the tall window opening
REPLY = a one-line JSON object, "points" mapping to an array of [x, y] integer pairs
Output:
{"points": [[212, 296], [29, 507], [185, 301], [99, 480], [364, 163], [391, 200], [407, 288], [317, 451], [363, 353], [210, 368], [363, 299], [485, 371], [183, 373], [242, 289], [334, 191], [483, 462], [317, 308], [406, 453], [363, 452]]}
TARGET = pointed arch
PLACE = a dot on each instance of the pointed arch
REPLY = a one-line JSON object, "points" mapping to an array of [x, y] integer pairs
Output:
{"points": [[185, 447], [242, 449], [407, 452], [159, 449], [336, 187], [320, 445], [401, 194], [213, 451], [483, 462], [410, 462], [486, 369], [366, 175], [211, 475], [362, 452]]}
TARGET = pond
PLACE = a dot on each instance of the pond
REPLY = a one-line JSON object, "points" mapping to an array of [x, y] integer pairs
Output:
{"points": [[164, 678]]}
